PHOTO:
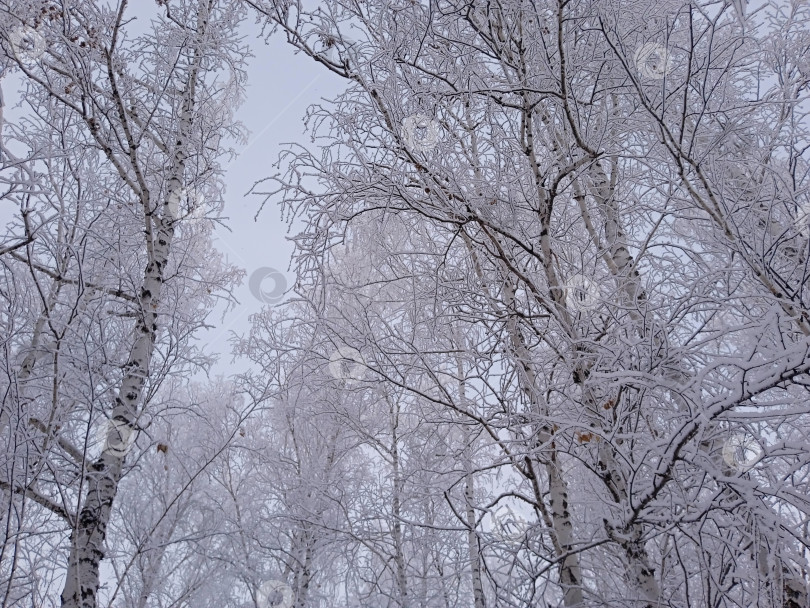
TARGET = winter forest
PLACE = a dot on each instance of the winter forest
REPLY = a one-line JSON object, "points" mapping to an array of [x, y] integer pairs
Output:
{"points": [[546, 341]]}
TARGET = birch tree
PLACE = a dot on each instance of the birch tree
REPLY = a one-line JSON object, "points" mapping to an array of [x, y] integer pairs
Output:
{"points": [[121, 132], [614, 194]]}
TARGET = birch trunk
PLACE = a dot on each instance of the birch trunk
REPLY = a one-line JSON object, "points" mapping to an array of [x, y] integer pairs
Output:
{"points": [[473, 548], [305, 577], [621, 265], [560, 515], [479, 600], [640, 572], [25, 479], [396, 512], [103, 476]]}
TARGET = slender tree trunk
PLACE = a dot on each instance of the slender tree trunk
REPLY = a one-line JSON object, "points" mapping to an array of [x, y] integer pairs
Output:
{"points": [[18, 437], [570, 570], [396, 512], [89, 533], [473, 548], [641, 573], [472, 544], [304, 575], [560, 515], [562, 525]]}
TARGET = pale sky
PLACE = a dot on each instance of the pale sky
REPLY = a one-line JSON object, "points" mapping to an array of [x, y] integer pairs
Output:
{"points": [[281, 85]]}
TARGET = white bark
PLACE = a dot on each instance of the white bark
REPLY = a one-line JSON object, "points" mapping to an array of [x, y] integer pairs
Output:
{"points": [[89, 532], [473, 549], [396, 509]]}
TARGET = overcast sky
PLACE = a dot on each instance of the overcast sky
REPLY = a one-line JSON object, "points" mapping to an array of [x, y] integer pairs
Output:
{"points": [[281, 85]]}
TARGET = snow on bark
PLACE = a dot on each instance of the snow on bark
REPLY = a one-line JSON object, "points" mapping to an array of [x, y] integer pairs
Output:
{"points": [[104, 474]]}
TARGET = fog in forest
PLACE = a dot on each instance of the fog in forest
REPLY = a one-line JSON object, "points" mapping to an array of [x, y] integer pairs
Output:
{"points": [[405, 303]]}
